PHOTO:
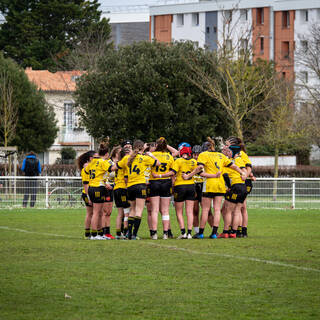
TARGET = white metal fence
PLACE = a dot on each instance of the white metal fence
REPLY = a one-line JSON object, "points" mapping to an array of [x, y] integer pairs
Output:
{"points": [[65, 192]]}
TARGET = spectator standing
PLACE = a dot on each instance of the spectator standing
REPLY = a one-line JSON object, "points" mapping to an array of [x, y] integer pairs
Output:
{"points": [[31, 168]]}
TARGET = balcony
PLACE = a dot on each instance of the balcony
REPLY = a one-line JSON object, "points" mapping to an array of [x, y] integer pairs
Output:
{"points": [[73, 135]]}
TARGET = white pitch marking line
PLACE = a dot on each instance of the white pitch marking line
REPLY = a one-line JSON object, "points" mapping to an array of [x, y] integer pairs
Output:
{"points": [[281, 264], [40, 233], [236, 257]]}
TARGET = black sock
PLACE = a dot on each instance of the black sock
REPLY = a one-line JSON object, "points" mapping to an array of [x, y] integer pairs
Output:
{"points": [[118, 231], [233, 231], [100, 232], [130, 224], [87, 232], [151, 232], [165, 232], [108, 230], [94, 233], [244, 230], [104, 230], [169, 232], [189, 231], [214, 230], [225, 231], [239, 230], [122, 227], [183, 231], [125, 230], [201, 230], [137, 221]]}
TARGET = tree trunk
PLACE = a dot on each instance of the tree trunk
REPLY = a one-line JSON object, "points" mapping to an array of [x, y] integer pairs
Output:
{"points": [[276, 172], [238, 129]]}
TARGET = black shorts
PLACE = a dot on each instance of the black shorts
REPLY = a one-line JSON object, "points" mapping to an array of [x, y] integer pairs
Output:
{"points": [[85, 199], [198, 187], [148, 193], [237, 193], [184, 192], [97, 194], [212, 194], [109, 195], [137, 191], [248, 184], [121, 198], [161, 188]]}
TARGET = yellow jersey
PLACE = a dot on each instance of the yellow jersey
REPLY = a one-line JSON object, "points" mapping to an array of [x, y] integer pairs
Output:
{"points": [[245, 159], [166, 160], [136, 172], [119, 179], [85, 178], [96, 170], [181, 166], [214, 162], [234, 176]]}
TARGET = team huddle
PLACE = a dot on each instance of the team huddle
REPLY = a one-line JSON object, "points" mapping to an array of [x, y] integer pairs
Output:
{"points": [[138, 175]]}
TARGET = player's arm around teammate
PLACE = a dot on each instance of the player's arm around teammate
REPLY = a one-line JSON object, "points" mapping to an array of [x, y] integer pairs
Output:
{"points": [[184, 190], [235, 196], [161, 189], [214, 188], [137, 163]]}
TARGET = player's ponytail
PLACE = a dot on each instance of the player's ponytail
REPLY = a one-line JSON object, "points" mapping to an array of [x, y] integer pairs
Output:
{"points": [[138, 146], [212, 143]]}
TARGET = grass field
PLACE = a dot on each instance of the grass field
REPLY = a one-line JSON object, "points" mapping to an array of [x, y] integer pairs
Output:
{"points": [[273, 274]]}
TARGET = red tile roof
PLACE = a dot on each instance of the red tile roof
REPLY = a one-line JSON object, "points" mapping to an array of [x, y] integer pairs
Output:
{"points": [[59, 81]]}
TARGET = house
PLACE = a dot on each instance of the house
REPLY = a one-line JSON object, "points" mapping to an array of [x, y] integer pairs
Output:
{"points": [[58, 88]]}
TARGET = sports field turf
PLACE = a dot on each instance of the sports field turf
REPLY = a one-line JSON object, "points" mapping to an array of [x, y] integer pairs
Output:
{"points": [[273, 274]]}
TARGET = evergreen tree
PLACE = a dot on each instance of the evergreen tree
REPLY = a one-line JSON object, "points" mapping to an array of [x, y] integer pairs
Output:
{"points": [[41, 34]]}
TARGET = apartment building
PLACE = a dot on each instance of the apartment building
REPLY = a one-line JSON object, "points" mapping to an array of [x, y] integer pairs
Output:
{"points": [[272, 27]]}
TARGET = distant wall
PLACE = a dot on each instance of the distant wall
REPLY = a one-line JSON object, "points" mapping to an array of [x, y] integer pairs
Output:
{"points": [[127, 33], [269, 160]]}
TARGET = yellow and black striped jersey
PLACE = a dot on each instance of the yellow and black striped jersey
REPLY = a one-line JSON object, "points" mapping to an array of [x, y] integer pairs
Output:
{"points": [[166, 160], [234, 176], [85, 178], [96, 170], [181, 166], [136, 172]]}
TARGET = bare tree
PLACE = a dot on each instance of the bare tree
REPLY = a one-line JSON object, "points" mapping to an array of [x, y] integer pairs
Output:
{"points": [[307, 56], [240, 85], [8, 109]]}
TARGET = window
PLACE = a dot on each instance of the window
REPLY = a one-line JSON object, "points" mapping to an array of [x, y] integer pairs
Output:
{"points": [[195, 19], [285, 19], [304, 45], [229, 44], [243, 46], [283, 75], [228, 16], [304, 15], [285, 49], [215, 29], [243, 14], [180, 19], [208, 29], [260, 16], [68, 115], [261, 44], [304, 76]]}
